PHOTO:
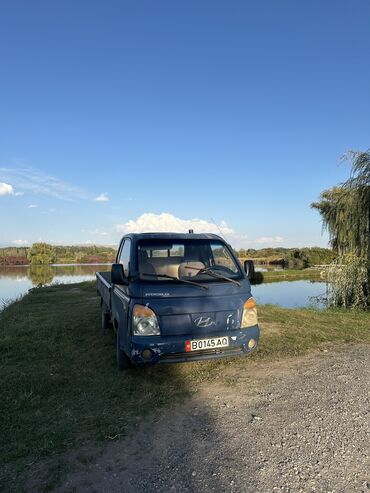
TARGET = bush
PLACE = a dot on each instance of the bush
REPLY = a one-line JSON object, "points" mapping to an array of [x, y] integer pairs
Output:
{"points": [[348, 278], [41, 254]]}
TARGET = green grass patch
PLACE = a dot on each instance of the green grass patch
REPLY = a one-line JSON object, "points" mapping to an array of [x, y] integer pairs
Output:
{"points": [[60, 387], [302, 329], [291, 275]]}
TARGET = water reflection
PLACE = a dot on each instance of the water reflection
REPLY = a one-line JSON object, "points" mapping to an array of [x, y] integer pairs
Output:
{"points": [[40, 272], [15, 281], [40, 275]]}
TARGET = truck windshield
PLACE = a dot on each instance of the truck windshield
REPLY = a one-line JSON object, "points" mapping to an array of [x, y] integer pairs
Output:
{"points": [[205, 260]]}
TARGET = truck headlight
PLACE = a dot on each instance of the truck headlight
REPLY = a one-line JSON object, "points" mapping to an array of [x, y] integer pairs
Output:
{"points": [[249, 317], [144, 322]]}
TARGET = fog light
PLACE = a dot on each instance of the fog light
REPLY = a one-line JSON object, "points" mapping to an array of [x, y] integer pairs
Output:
{"points": [[147, 354], [252, 344]]}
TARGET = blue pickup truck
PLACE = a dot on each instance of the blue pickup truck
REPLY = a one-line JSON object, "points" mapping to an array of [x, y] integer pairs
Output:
{"points": [[174, 297]]}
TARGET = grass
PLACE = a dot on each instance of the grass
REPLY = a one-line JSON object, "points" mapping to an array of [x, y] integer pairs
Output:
{"points": [[60, 388], [290, 275]]}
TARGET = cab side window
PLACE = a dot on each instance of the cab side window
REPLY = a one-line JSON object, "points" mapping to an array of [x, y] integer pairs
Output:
{"points": [[124, 256]]}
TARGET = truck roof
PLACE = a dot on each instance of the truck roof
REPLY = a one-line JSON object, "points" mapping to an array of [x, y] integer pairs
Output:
{"points": [[173, 236]]}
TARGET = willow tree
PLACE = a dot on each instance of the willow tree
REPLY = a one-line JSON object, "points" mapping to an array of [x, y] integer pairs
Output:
{"points": [[359, 185], [345, 211]]}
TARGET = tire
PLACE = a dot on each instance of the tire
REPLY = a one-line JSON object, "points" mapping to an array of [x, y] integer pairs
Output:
{"points": [[105, 318], [123, 361]]}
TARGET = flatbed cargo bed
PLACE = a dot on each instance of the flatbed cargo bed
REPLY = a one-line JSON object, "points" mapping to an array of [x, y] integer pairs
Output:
{"points": [[104, 287]]}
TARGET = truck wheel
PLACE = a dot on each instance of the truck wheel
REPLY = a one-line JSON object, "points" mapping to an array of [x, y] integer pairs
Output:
{"points": [[123, 361], [105, 318]]}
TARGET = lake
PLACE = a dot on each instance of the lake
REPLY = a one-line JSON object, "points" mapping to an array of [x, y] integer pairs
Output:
{"points": [[290, 294], [15, 281]]}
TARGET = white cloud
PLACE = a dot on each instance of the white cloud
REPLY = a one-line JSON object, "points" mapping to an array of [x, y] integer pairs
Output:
{"points": [[32, 206], [149, 222], [6, 189], [36, 181], [18, 194], [166, 222], [103, 197], [21, 242], [273, 240]]}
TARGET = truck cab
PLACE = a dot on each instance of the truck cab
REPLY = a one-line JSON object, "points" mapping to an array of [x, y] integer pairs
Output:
{"points": [[174, 297]]}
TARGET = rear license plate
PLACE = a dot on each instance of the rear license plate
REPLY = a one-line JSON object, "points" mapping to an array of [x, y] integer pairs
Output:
{"points": [[212, 343]]}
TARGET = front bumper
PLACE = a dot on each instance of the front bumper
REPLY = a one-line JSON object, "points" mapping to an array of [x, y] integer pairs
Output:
{"points": [[171, 349]]}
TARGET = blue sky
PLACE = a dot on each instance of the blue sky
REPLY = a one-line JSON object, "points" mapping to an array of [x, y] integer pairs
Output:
{"points": [[235, 112]]}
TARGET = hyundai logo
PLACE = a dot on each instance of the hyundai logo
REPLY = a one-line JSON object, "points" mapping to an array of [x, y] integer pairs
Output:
{"points": [[204, 321]]}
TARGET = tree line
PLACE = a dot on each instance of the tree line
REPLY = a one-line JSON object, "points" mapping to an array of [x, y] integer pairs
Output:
{"points": [[298, 258], [44, 254]]}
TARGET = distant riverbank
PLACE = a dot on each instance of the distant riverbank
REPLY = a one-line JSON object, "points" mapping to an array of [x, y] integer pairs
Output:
{"points": [[60, 255], [291, 274], [50, 254]]}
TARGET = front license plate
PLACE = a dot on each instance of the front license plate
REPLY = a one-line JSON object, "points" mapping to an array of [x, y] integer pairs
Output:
{"points": [[212, 343]]}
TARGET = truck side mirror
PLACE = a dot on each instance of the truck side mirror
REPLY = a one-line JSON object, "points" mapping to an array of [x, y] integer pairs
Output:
{"points": [[249, 269], [118, 275]]}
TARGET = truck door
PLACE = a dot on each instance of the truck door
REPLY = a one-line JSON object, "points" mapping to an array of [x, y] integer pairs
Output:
{"points": [[120, 298]]}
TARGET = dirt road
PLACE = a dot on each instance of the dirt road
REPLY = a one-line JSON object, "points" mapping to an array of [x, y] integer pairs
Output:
{"points": [[297, 426]]}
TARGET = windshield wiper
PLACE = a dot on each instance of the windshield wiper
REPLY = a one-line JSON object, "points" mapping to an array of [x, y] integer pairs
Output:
{"points": [[176, 279], [210, 272]]}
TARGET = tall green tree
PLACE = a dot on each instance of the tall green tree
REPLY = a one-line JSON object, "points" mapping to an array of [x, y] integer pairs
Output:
{"points": [[41, 254], [345, 209], [359, 186]]}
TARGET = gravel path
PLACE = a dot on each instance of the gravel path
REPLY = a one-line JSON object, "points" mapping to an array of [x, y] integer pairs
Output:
{"points": [[305, 429]]}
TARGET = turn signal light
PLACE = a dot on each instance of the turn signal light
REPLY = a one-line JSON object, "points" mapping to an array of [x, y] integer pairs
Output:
{"points": [[143, 311], [250, 303]]}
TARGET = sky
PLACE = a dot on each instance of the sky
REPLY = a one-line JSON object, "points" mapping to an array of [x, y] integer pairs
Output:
{"points": [[120, 116]]}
